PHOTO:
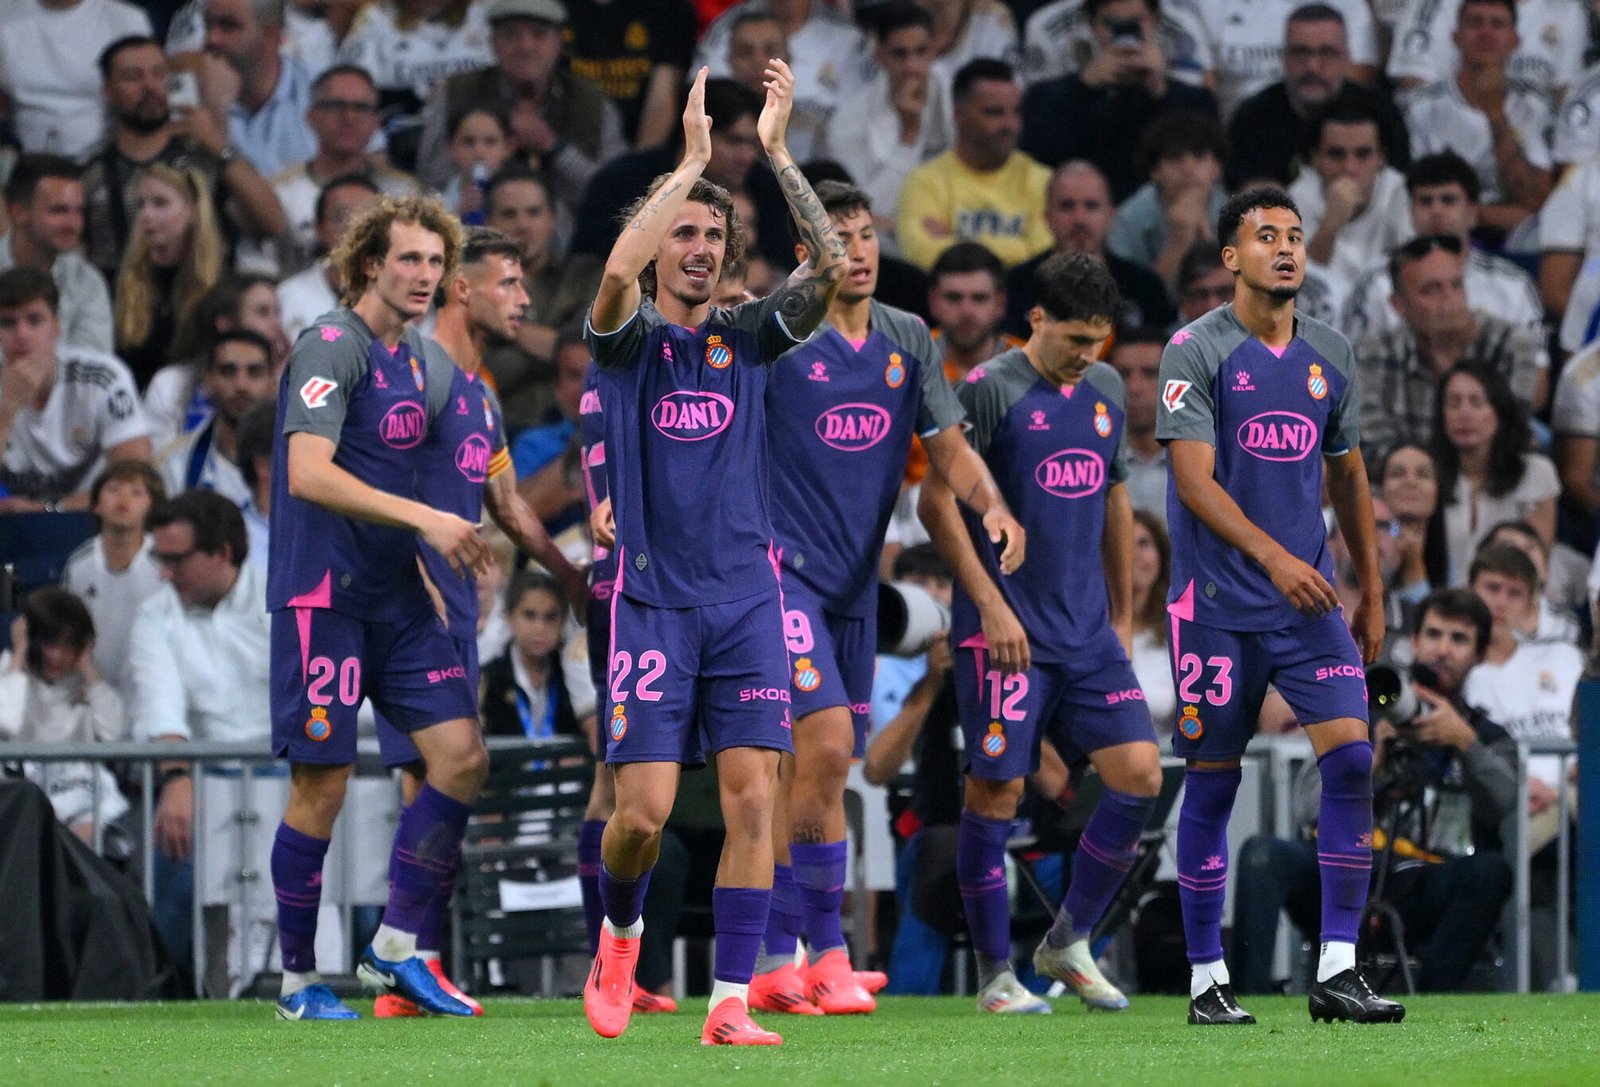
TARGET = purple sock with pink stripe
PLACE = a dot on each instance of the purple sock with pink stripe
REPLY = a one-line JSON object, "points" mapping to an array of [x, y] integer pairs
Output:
{"points": [[297, 882], [981, 875], [589, 835], [740, 917], [1106, 851], [1344, 838], [1203, 858], [427, 852], [819, 871]]}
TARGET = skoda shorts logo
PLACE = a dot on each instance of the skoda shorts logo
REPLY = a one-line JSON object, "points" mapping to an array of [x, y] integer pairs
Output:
{"points": [[1189, 726], [318, 727], [994, 744], [719, 356], [618, 727], [806, 676], [895, 374]]}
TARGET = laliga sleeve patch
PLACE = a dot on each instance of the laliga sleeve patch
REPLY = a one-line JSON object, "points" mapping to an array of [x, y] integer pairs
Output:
{"points": [[1172, 396], [315, 391]]}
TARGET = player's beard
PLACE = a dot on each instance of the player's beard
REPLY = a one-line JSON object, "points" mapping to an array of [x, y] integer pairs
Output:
{"points": [[1284, 293]]}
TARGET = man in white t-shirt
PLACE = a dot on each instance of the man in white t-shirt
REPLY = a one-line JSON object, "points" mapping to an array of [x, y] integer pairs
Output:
{"points": [[48, 72], [1552, 35], [1239, 43], [44, 197], [1353, 204], [1496, 122], [1569, 268], [1058, 40], [304, 297], [1526, 687], [1443, 191], [64, 411], [237, 377], [113, 572]]}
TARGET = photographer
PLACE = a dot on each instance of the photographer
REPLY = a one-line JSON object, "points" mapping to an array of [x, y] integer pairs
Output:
{"points": [[1446, 757]]}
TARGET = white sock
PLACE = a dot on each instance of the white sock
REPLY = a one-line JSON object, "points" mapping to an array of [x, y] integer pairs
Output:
{"points": [[722, 990], [392, 945], [292, 983], [630, 932], [1337, 957], [1203, 975], [427, 956]]}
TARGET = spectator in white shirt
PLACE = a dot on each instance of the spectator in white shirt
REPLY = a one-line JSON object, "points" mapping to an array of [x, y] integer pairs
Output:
{"points": [[1552, 36], [112, 573], [237, 377], [304, 297], [257, 433], [64, 411], [44, 198], [199, 662]]}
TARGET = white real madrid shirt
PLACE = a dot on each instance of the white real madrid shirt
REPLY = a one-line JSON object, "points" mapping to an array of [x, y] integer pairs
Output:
{"points": [[1530, 696], [1439, 119], [56, 450], [1549, 56]]}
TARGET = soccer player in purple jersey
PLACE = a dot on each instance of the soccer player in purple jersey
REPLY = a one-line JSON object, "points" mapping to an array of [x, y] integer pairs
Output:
{"points": [[697, 617], [463, 468], [1259, 408], [351, 616], [1048, 420], [841, 410]]}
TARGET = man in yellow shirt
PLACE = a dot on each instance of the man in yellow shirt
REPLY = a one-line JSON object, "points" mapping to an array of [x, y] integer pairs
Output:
{"points": [[983, 189]]}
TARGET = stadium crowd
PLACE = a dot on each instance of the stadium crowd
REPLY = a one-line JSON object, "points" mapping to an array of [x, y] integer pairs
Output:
{"points": [[176, 176]]}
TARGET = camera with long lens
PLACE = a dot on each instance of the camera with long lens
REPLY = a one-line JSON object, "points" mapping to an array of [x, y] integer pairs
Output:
{"points": [[908, 618], [1391, 696]]}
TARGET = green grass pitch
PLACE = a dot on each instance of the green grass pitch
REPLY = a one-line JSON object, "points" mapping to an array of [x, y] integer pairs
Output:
{"points": [[1459, 1041]]}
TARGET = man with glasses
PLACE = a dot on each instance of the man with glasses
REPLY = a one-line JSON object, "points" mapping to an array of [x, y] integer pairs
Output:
{"points": [[343, 116], [198, 659], [1400, 370], [1268, 132]]}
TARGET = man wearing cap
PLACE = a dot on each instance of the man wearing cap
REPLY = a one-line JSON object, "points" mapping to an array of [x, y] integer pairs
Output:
{"points": [[564, 121]]}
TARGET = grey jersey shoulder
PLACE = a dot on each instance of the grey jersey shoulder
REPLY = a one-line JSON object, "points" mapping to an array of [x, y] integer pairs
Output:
{"points": [[439, 367], [1107, 383], [905, 329], [1328, 342]]}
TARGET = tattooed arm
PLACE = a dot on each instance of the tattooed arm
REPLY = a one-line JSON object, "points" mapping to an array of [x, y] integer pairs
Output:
{"points": [[618, 297], [802, 299]]}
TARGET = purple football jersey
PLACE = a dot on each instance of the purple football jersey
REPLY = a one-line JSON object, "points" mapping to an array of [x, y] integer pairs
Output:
{"points": [[1272, 418], [686, 454], [1054, 452], [377, 406], [592, 437], [465, 447], [839, 425]]}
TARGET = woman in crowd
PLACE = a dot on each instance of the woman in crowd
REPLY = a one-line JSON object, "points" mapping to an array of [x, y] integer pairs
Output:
{"points": [[1409, 482], [1152, 569], [480, 143], [174, 257], [1485, 470]]}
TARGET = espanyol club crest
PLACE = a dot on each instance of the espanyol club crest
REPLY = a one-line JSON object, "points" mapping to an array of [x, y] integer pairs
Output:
{"points": [[1102, 421], [416, 374], [894, 375], [618, 728], [1189, 726], [806, 676], [719, 356], [994, 744], [318, 727], [1316, 384]]}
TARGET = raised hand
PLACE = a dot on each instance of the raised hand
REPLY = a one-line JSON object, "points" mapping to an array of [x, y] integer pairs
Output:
{"points": [[696, 124], [773, 124]]}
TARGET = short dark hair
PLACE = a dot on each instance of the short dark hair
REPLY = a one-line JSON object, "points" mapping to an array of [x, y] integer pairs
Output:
{"points": [[343, 181], [55, 617], [964, 257], [980, 70], [1509, 5], [1140, 335], [836, 197], [1315, 13], [108, 55], [1343, 108], [258, 430], [1241, 204], [1092, 7], [524, 582], [127, 469], [494, 112], [1443, 168], [1076, 287], [1202, 258], [216, 522], [514, 170], [484, 242], [922, 560], [19, 286], [1506, 560], [1178, 132], [1521, 528], [238, 335], [1414, 250], [898, 15], [728, 100], [343, 69], [32, 168], [1462, 605]]}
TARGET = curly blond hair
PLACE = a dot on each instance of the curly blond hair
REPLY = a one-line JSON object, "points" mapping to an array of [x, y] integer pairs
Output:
{"points": [[138, 297], [367, 239], [713, 196]]}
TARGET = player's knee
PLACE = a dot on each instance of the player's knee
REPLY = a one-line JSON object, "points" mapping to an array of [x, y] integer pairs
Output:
{"points": [[470, 767], [1142, 780], [1346, 770], [747, 806], [993, 799], [824, 770]]}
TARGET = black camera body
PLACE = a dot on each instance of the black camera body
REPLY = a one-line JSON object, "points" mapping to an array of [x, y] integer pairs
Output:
{"points": [[1391, 696]]}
